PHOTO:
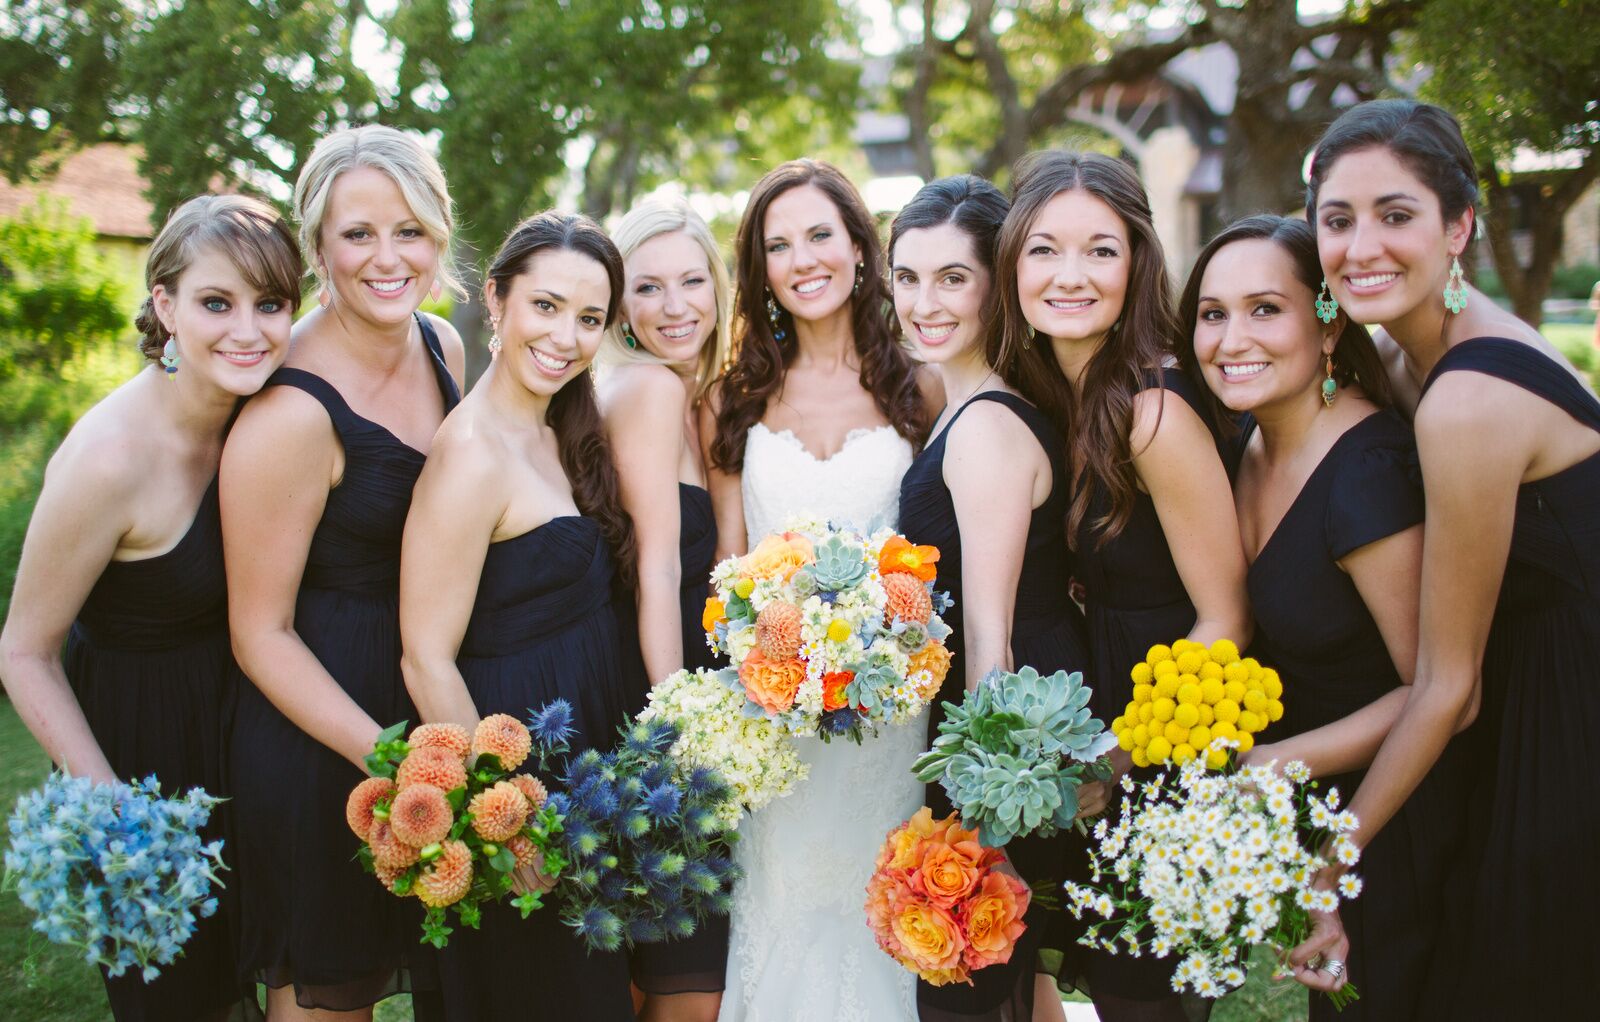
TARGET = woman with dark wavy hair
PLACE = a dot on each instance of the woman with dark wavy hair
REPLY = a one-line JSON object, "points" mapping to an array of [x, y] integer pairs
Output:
{"points": [[1086, 333], [515, 532], [818, 414]]}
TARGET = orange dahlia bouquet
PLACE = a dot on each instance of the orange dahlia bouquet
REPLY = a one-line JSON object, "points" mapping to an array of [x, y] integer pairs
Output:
{"points": [[937, 903], [831, 631], [445, 818]]}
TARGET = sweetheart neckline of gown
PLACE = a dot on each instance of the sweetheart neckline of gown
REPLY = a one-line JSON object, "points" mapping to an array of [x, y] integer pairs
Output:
{"points": [[860, 432]]}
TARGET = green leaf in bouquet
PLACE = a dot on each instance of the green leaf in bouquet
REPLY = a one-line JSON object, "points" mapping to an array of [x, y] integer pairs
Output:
{"points": [[434, 929], [470, 913], [363, 856], [502, 859], [486, 768], [457, 797], [404, 882], [387, 750], [528, 903]]}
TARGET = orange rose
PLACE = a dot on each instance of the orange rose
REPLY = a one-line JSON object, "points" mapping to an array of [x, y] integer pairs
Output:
{"points": [[930, 937], [833, 686], [715, 613], [899, 555], [994, 919], [947, 874], [771, 684], [778, 556]]}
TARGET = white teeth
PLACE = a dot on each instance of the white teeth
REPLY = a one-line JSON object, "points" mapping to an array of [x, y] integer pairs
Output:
{"points": [[243, 357], [555, 365], [1062, 303], [811, 287], [937, 332], [678, 333], [1374, 280], [386, 286], [1249, 369]]}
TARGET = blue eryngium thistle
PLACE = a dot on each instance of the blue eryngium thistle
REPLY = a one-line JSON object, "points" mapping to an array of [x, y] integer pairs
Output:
{"points": [[551, 728], [642, 832], [114, 869]]}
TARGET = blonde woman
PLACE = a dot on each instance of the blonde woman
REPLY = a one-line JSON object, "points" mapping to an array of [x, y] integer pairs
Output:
{"points": [[316, 484], [658, 362]]}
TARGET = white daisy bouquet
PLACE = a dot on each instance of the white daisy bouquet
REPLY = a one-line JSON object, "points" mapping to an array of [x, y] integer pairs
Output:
{"points": [[831, 631], [1204, 868], [756, 759]]}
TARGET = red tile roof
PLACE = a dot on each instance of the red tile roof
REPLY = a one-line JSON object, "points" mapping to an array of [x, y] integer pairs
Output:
{"points": [[101, 183]]}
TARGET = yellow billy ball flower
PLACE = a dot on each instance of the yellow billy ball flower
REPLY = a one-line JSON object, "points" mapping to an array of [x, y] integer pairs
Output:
{"points": [[1147, 712], [1252, 665], [1272, 684], [1143, 693], [1130, 709], [1164, 669], [1246, 742], [1186, 715], [1223, 651], [1222, 729], [1199, 736], [839, 630], [1141, 735], [1140, 757], [1227, 711], [1158, 750], [1183, 646], [1211, 690], [1255, 700], [1189, 694], [1125, 740], [1210, 670], [1216, 759], [1120, 725], [1158, 653], [1164, 709], [1235, 672], [744, 587], [1189, 661], [1274, 709], [1249, 722], [1166, 687], [1207, 714], [1183, 753], [1142, 673], [1234, 690], [1175, 733]]}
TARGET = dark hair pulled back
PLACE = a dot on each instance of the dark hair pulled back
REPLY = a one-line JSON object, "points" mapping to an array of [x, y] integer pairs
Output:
{"points": [[574, 413]]}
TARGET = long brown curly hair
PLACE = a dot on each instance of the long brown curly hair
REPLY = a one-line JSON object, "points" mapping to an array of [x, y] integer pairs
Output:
{"points": [[573, 413], [1099, 420], [760, 359]]}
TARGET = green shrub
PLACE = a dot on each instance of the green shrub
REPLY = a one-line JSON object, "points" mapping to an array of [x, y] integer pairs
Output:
{"points": [[57, 299], [1575, 281]]}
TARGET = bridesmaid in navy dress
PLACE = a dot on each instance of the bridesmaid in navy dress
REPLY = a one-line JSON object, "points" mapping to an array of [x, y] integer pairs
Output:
{"points": [[123, 560], [997, 524], [1509, 440], [506, 584], [1330, 507], [316, 483], [658, 362], [1088, 337]]}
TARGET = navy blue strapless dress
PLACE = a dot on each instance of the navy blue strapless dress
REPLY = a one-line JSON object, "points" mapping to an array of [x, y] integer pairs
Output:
{"points": [[542, 628], [1517, 938], [1047, 634], [1314, 628], [310, 915], [149, 661]]}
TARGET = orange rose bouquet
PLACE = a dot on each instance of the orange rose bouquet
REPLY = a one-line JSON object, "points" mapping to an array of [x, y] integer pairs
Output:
{"points": [[938, 905], [444, 818], [831, 631]]}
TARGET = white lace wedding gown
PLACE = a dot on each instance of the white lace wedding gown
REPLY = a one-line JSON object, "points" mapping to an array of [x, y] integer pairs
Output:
{"points": [[800, 949]]}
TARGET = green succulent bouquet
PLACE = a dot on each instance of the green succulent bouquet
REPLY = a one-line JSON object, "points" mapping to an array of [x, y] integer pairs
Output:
{"points": [[1012, 755]]}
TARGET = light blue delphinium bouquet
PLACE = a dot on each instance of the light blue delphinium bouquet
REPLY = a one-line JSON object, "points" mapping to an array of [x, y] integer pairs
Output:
{"points": [[114, 869], [1012, 755]]}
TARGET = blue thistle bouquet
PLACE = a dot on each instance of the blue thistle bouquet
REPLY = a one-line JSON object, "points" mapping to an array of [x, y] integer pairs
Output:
{"points": [[114, 869], [646, 841]]}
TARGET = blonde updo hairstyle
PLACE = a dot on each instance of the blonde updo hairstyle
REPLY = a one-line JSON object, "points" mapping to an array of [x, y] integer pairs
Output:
{"points": [[650, 219], [248, 232], [409, 165]]}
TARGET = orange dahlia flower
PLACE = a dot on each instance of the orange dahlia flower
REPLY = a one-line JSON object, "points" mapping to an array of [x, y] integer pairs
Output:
{"points": [[771, 684], [452, 737], [907, 598], [446, 880], [387, 849], [833, 685], [420, 815], [935, 659], [779, 556], [527, 853], [778, 631], [387, 875], [994, 919], [498, 812], [431, 765], [532, 789], [898, 555], [502, 735], [358, 808]]}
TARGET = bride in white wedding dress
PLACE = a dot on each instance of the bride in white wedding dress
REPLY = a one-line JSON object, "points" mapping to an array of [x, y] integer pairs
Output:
{"points": [[792, 429]]}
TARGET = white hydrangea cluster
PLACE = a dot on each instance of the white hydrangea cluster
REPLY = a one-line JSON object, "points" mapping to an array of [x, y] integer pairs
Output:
{"points": [[757, 760], [1206, 867]]}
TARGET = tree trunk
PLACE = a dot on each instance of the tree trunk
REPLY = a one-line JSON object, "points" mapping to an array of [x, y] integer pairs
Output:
{"points": [[1527, 286]]}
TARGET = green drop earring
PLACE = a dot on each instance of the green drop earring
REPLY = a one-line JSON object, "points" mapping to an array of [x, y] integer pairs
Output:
{"points": [[1455, 289], [1330, 386], [1327, 305], [627, 337]]}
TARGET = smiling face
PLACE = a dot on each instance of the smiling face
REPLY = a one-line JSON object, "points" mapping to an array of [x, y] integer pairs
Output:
{"points": [[375, 253], [811, 261], [228, 333], [670, 300], [1256, 336], [1072, 275], [939, 286], [1382, 238], [550, 319]]}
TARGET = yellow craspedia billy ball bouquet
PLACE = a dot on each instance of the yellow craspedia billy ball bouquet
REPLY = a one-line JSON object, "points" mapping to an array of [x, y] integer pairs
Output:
{"points": [[1185, 695]]}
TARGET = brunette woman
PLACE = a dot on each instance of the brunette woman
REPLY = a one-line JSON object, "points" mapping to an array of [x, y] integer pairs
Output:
{"points": [[316, 483]]}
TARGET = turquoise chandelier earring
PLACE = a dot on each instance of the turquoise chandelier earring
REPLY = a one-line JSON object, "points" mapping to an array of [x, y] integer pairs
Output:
{"points": [[1327, 305], [861, 268], [169, 356], [1330, 386], [1455, 289], [775, 315], [627, 337]]}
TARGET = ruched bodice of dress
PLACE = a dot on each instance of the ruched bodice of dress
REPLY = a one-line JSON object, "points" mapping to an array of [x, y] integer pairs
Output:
{"points": [[538, 584]]}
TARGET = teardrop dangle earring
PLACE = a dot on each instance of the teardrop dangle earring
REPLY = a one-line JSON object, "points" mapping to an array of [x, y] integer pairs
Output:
{"points": [[627, 337], [1330, 386], [861, 268], [1327, 305], [169, 356], [494, 341], [774, 315], [1455, 289]]}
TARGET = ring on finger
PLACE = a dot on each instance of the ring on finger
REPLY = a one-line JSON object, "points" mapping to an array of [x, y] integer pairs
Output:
{"points": [[1333, 967]]}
